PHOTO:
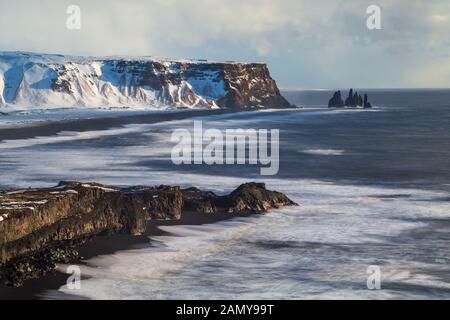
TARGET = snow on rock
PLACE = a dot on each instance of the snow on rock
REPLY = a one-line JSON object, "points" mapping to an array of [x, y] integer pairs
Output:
{"points": [[63, 192], [30, 81], [86, 185], [19, 203]]}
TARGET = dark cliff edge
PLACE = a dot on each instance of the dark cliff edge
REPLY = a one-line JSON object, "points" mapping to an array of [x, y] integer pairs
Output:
{"points": [[250, 85], [42, 227]]}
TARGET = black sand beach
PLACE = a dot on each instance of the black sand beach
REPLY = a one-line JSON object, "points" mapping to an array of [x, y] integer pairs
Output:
{"points": [[104, 245], [98, 123]]}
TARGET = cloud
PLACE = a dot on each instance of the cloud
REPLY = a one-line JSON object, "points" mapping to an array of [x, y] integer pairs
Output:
{"points": [[320, 43]]}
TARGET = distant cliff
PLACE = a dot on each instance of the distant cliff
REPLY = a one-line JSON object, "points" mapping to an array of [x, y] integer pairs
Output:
{"points": [[30, 81]]}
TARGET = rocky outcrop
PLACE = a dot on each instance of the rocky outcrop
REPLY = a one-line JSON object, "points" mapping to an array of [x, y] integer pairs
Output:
{"points": [[366, 103], [336, 101], [353, 100], [44, 81], [249, 198], [41, 227]]}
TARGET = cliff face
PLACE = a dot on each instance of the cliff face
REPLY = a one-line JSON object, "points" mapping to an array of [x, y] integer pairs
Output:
{"points": [[41, 227], [54, 81], [250, 85], [32, 220]]}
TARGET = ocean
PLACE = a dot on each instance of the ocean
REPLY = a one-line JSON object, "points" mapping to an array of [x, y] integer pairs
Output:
{"points": [[373, 188]]}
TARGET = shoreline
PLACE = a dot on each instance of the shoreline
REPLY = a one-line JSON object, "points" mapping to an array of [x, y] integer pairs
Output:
{"points": [[104, 245], [48, 128], [107, 245], [101, 245], [78, 221]]}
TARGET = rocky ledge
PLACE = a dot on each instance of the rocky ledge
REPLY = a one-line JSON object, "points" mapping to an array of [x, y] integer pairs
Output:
{"points": [[42, 227]]}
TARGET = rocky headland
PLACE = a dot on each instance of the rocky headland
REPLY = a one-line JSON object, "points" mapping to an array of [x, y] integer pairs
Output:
{"points": [[42, 227], [44, 81]]}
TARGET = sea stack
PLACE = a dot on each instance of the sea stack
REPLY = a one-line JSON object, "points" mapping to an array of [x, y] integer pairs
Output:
{"points": [[367, 104], [336, 101], [353, 100]]}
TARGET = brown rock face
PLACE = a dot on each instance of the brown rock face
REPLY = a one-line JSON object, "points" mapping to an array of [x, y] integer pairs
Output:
{"points": [[41, 227], [37, 218], [250, 85]]}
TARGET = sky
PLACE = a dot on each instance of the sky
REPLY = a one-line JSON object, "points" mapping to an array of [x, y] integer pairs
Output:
{"points": [[308, 44]]}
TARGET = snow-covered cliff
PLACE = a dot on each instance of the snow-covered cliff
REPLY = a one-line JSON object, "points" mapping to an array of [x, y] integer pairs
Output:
{"points": [[30, 81]]}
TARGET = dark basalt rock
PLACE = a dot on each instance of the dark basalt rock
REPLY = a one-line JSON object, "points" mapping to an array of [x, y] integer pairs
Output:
{"points": [[42, 227], [253, 198], [22, 268], [199, 201], [353, 100], [336, 101], [366, 103], [247, 199]]}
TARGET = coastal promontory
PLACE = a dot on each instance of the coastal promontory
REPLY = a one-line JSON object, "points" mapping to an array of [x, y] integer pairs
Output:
{"points": [[42, 227], [45, 81]]}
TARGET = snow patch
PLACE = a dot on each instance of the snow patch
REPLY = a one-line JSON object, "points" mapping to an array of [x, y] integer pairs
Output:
{"points": [[19, 203], [85, 185], [29, 81]]}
